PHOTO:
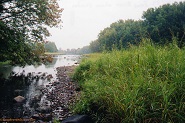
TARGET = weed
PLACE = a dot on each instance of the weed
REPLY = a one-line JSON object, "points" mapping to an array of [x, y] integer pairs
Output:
{"points": [[144, 83]]}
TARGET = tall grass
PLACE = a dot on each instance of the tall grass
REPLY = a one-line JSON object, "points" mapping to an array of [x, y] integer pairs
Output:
{"points": [[144, 83]]}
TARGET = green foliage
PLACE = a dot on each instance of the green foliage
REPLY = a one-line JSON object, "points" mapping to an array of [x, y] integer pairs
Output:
{"points": [[79, 51], [160, 24], [37, 48], [118, 36], [82, 72], [29, 16], [144, 83], [50, 47], [95, 46], [165, 22], [56, 121], [22, 22], [83, 50], [13, 47]]}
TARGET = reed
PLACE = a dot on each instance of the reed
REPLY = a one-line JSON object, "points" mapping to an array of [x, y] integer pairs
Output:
{"points": [[144, 83]]}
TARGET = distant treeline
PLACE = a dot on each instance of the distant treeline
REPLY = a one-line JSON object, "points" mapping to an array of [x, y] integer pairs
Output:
{"points": [[79, 51], [50, 47], [160, 24]]}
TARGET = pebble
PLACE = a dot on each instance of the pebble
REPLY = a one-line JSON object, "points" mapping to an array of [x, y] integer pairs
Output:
{"points": [[63, 93], [60, 94]]}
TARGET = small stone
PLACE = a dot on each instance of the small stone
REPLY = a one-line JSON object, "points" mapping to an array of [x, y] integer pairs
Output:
{"points": [[44, 109], [19, 99]]}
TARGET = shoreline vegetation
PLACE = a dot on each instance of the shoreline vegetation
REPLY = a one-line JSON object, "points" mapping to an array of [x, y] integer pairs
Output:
{"points": [[53, 53], [46, 57], [4, 63], [143, 83], [137, 76]]}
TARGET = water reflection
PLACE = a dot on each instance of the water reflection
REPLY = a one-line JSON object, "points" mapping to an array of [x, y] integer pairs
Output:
{"points": [[25, 82], [60, 60]]}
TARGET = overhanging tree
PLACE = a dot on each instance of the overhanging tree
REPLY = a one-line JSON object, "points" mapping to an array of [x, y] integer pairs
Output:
{"points": [[23, 22]]}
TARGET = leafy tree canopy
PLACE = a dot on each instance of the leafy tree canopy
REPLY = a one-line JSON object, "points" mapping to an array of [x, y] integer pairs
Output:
{"points": [[165, 22], [118, 35], [161, 24], [29, 16], [50, 47], [95, 46], [23, 22]]}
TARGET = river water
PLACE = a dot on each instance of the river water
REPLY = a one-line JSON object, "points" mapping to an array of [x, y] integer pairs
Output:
{"points": [[26, 82]]}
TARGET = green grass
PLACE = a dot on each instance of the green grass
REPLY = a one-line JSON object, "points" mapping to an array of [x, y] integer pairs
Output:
{"points": [[92, 56], [144, 84], [5, 63]]}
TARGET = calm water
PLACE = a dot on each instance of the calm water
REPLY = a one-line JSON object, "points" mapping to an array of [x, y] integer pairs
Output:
{"points": [[25, 82], [60, 60]]}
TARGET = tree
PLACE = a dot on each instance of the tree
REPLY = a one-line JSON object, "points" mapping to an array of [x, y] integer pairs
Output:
{"points": [[24, 21], [30, 16], [166, 22], [50, 47], [128, 32], [83, 50], [119, 35], [95, 46], [13, 47]]}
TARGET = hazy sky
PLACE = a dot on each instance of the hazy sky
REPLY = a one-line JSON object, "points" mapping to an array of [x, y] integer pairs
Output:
{"points": [[84, 19]]}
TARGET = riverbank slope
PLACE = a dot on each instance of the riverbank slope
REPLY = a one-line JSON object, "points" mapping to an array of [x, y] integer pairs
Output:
{"points": [[144, 83]]}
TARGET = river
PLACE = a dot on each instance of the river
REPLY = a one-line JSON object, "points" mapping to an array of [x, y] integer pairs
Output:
{"points": [[26, 82]]}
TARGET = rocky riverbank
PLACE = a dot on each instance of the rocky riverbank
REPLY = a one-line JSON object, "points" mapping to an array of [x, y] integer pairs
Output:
{"points": [[64, 93], [44, 97], [57, 97], [40, 93]]}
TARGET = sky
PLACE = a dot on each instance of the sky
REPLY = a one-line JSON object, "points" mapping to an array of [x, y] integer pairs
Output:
{"points": [[84, 19]]}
